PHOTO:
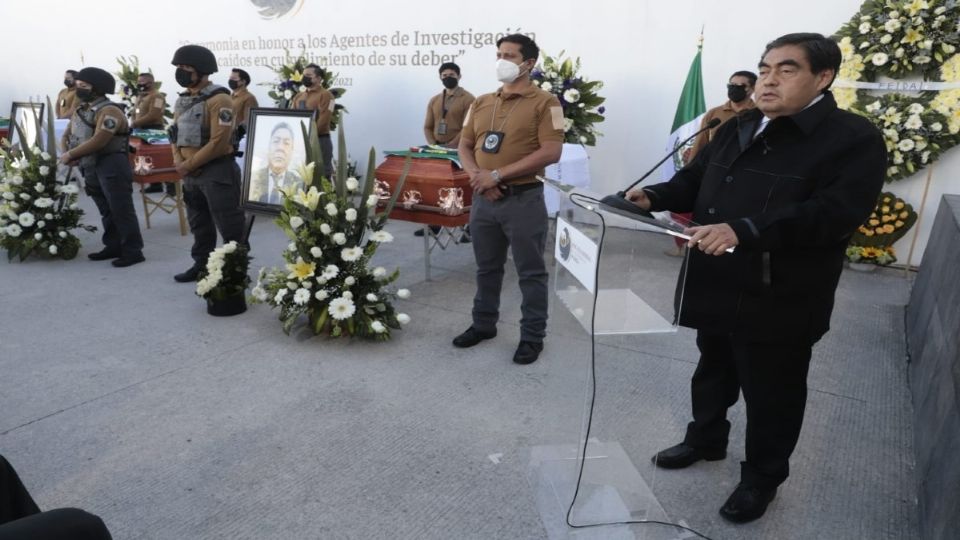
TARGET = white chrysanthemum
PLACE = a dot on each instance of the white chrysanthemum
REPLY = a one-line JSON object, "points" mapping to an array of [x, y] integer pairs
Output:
{"points": [[372, 200], [350, 214], [9, 196], [230, 246], [53, 250], [41, 224], [339, 239], [403, 293], [70, 189], [913, 122], [39, 188], [341, 308], [292, 285], [873, 107], [321, 295], [865, 28], [288, 94], [48, 216], [259, 293], [331, 209], [567, 124], [325, 229], [378, 327], [316, 252], [351, 254], [352, 184], [906, 145], [583, 139], [38, 236], [403, 318], [350, 281], [301, 297], [44, 170], [379, 272], [296, 222], [381, 236], [915, 108], [572, 95], [25, 196], [892, 25], [371, 297], [936, 126], [44, 156], [546, 86], [879, 59], [281, 294], [17, 180], [886, 38], [62, 234], [292, 246], [13, 230], [26, 219], [331, 271], [899, 52], [347, 294]]}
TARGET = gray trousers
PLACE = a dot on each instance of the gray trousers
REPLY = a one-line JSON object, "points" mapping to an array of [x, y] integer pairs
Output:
{"points": [[212, 196], [326, 148], [109, 182], [518, 222]]}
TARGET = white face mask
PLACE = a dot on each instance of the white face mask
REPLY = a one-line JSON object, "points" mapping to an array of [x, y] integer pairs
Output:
{"points": [[507, 71]]}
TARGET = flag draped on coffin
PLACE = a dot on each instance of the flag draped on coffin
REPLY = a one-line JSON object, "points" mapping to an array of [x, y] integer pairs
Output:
{"points": [[690, 111]]}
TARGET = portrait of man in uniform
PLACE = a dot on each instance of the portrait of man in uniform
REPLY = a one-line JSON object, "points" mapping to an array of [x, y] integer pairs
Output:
{"points": [[275, 155]]}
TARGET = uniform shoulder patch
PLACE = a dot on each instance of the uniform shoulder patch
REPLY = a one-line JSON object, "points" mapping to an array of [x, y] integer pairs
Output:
{"points": [[109, 124], [158, 102], [556, 114], [225, 116], [332, 105]]}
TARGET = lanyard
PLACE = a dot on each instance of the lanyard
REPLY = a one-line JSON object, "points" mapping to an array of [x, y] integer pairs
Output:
{"points": [[505, 118], [443, 104]]}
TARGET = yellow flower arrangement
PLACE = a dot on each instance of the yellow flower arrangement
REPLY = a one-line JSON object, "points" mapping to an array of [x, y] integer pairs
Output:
{"points": [[873, 240]]}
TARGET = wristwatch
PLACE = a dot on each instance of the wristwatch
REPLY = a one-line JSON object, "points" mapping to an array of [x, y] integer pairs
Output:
{"points": [[495, 174]]}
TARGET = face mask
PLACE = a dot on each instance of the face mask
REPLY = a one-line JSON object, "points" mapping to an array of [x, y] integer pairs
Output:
{"points": [[184, 78], [736, 93], [507, 71], [233, 84], [307, 81], [450, 82], [68, 83], [84, 94], [143, 87]]}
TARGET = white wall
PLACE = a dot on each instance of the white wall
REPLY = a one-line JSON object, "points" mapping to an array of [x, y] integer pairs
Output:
{"points": [[640, 49]]}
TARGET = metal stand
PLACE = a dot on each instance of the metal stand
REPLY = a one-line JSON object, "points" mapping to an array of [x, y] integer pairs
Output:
{"points": [[442, 238]]}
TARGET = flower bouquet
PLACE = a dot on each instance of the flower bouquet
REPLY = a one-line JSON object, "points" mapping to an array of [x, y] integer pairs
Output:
{"points": [[873, 241], [334, 232], [224, 281], [288, 85], [127, 77], [38, 204], [582, 107]]}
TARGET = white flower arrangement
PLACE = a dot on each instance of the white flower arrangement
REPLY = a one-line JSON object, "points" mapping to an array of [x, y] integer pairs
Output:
{"points": [[578, 97], [225, 274]]}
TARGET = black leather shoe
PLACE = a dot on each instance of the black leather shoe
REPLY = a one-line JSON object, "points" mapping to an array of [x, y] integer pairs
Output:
{"points": [[103, 255], [434, 228], [128, 260], [747, 503], [471, 337], [190, 275], [683, 455], [527, 352]]}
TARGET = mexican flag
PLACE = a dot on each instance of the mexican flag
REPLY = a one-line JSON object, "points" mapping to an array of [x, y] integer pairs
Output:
{"points": [[690, 111]]}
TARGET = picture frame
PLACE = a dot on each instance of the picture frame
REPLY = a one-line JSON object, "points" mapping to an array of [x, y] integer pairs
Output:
{"points": [[275, 156], [29, 115]]}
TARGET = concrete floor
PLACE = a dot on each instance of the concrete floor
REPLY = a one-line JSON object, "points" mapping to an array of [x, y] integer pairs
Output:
{"points": [[121, 396]]}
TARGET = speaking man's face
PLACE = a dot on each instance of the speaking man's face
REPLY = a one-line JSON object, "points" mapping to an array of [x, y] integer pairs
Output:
{"points": [[786, 83], [281, 149]]}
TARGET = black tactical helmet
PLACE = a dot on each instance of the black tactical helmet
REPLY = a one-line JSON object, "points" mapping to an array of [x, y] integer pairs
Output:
{"points": [[102, 82], [197, 57]]}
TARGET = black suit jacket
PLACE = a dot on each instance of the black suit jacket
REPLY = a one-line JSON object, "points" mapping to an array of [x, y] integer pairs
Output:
{"points": [[793, 195]]}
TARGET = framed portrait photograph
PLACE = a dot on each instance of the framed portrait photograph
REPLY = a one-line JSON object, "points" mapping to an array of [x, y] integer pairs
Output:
{"points": [[29, 116], [274, 158]]}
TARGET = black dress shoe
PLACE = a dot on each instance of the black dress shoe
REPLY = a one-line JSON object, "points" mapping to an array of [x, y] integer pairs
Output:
{"points": [[683, 455], [434, 228], [471, 337], [103, 255], [527, 352], [190, 275], [747, 503], [128, 260]]}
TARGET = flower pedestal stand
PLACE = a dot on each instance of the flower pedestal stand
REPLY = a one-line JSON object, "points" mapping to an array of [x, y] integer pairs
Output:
{"points": [[226, 307]]}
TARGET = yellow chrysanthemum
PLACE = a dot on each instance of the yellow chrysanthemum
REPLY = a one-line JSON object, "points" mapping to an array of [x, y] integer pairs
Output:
{"points": [[845, 97], [868, 233], [888, 228], [950, 70], [301, 269], [878, 230], [904, 214], [898, 205], [899, 224], [873, 222]]}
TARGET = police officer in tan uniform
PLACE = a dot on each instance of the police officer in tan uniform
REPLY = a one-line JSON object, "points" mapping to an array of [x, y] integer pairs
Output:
{"points": [[508, 138], [446, 110], [67, 98], [243, 100], [203, 146], [97, 138], [318, 99], [148, 113]]}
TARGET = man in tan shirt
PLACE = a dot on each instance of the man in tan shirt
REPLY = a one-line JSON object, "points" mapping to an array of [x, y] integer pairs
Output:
{"points": [[243, 100], [202, 139], [148, 113], [318, 99], [508, 138], [97, 138], [739, 89], [447, 110], [67, 98]]}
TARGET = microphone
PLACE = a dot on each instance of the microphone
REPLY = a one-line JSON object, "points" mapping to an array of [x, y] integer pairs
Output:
{"points": [[619, 200]]}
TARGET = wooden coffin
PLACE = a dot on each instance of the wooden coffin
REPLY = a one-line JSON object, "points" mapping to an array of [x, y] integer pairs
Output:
{"points": [[428, 176], [152, 163]]}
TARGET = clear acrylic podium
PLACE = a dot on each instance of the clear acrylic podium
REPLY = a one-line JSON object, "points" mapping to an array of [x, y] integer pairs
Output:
{"points": [[614, 305]]}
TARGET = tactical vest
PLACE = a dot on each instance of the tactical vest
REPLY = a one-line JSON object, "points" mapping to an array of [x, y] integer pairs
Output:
{"points": [[190, 130], [83, 124]]}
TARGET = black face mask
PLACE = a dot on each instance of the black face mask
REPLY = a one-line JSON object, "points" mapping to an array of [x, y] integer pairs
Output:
{"points": [[84, 94], [233, 84], [736, 93], [143, 87], [450, 82], [307, 81], [184, 78], [68, 83]]}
